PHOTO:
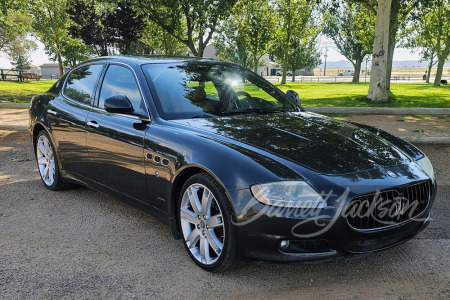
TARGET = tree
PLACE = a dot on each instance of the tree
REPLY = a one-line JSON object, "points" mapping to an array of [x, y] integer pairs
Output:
{"points": [[256, 22], [88, 25], [421, 38], [73, 52], [430, 34], [439, 26], [399, 17], [304, 55], [50, 24], [14, 27], [351, 28], [230, 43], [106, 27], [19, 51], [191, 22], [293, 18], [20, 61], [378, 79], [127, 24], [156, 40]]}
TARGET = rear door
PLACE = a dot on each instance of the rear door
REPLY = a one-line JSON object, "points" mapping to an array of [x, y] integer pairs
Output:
{"points": [[115, 141], [67, 116]]}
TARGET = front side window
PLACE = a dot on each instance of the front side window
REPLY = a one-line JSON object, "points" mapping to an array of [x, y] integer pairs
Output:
{"points": [[120, 81], [81, 83], [190, 90]]}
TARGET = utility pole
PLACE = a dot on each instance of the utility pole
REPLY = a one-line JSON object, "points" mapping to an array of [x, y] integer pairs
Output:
{"points": [[325, 67]]}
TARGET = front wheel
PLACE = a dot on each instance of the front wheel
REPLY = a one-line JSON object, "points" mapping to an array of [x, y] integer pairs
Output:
{"points": [[205, 220]]}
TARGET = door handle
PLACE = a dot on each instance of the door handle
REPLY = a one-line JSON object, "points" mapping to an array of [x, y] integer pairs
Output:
{"points": [[92, 124], [51, 112]]}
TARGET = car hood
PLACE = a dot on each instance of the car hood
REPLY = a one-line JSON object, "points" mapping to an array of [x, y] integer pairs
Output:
{"points": [[320, 143]]}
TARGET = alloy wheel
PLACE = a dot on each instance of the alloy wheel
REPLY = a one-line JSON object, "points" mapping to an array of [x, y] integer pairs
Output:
{"points": [[46, 160], [202, 224]]}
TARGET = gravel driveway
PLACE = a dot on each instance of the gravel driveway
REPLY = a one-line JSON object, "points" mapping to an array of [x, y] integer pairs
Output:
{"points": [[79, 244]]}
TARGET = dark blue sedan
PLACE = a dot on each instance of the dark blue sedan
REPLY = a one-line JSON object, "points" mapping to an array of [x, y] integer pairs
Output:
{"points": [[236, 168]]}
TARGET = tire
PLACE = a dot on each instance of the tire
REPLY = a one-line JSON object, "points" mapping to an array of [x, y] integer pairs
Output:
{"points": [[210, 237], [47, 162]]}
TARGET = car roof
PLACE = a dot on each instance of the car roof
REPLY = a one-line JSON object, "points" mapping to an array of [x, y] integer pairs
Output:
{"points": [[138, 60]]}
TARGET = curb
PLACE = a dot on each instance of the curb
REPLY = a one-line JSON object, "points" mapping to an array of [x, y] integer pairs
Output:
{"points": [[13, 127], [379, 110], [14, 105], [430, 140]]}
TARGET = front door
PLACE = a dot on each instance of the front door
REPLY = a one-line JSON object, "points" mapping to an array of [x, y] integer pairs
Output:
{"points": [[115, 142]]}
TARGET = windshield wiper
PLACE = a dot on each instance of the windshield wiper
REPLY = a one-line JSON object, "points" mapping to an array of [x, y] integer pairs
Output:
{"points": [[202, 116], [252, 110]]}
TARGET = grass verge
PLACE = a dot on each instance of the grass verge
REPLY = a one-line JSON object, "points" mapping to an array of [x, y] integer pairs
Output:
{"points": [[20, 92], [355, 94], [312, 94]]}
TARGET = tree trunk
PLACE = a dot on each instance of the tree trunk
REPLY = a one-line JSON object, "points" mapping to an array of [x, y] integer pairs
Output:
{"points": [[440, 68], [377, 88], [283, 78], [430, 66], [200, 47], [255, 63], [393, 26], [60, 64], [357, 67]]}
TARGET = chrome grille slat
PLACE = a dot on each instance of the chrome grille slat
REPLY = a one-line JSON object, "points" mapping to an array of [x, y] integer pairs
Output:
{"points": [[402, 195]]}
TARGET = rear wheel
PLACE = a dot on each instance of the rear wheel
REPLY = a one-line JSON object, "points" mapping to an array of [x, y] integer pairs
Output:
{"points": [[47, 162], [205, 220]]}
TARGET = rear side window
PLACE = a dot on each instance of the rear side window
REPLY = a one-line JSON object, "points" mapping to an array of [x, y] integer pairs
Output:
{"points": [[81, 83]]}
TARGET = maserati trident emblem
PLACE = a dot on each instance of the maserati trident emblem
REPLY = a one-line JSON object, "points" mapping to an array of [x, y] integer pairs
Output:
{"points": [[391, 174]]}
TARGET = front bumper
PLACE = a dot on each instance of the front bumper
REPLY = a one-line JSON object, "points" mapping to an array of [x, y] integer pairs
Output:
{"points": [[322, 236], [266, 248]]}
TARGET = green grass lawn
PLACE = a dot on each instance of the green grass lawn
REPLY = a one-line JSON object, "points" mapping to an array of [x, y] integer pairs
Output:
{"points": [[312, 94], [354, 94], [23, 91]]}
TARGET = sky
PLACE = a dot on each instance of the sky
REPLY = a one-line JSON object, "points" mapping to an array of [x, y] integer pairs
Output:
{"points": [[400, 54], [39, 57]]}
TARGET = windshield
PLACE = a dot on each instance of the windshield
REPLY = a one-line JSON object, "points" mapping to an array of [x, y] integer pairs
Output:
{"points": [[202, 90]]}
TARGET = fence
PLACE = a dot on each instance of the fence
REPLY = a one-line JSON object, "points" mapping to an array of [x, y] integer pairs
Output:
{"points": [[341, 79], [6, 74]]}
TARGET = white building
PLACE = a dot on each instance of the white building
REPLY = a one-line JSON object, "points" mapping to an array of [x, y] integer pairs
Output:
{"points": [[34, 69], [51, 71]]}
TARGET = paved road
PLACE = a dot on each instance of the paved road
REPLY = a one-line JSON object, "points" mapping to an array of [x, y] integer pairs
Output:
{"points": [[80, 244]]}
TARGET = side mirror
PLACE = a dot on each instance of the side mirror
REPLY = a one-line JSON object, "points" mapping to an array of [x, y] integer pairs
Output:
{"points": [[294, 97], [118, 104]]}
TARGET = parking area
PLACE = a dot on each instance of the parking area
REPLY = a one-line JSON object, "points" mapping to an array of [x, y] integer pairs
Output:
{"points": [[80, 244]]}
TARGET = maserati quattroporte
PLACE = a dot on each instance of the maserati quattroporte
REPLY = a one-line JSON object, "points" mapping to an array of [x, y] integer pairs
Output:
{"points": [[236, 167]]}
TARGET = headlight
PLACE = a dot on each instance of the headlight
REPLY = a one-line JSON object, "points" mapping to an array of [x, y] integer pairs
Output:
{"points": [[296, 194], [426, 166]]}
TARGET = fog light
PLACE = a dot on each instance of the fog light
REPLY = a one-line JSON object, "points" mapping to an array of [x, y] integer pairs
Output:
{"points": [[284, 244]]}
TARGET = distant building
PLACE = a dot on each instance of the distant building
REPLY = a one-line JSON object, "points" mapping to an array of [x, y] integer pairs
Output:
{"points": [[269, 67], [51, 71], [34, 69], [210, 52]]}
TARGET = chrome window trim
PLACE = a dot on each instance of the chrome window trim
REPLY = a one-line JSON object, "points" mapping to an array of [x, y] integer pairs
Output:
{"points": [[139, 87]]}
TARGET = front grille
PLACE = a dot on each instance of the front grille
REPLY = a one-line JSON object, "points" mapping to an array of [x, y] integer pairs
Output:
{"points": [[389, 207]]}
